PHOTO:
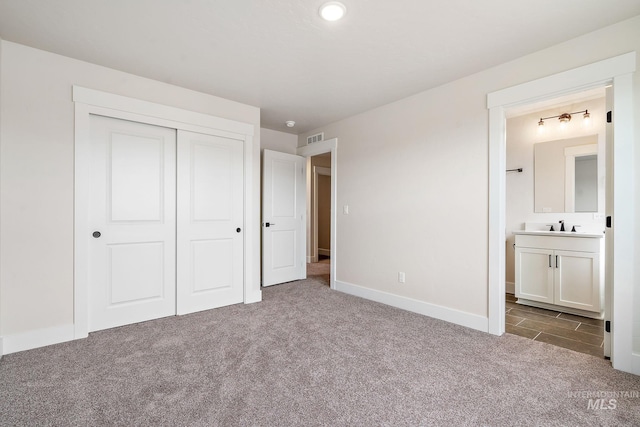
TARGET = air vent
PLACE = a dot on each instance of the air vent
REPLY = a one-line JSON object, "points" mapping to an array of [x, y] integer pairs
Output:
{"points": [[315, 138]]}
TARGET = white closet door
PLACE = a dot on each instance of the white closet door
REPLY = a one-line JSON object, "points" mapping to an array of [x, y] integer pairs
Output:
{"points": [[210, 222], [132, 215]]}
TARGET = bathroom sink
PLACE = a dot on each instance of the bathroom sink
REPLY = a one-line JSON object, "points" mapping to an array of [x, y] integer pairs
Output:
{"points": [[558, 233]]}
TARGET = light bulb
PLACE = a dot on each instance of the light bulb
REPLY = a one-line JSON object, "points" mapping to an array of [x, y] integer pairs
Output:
{"points": [[586, 118]]}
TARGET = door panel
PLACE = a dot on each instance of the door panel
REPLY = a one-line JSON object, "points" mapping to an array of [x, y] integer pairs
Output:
{"points": [[210, 222], [132, 206], [284, 210]]}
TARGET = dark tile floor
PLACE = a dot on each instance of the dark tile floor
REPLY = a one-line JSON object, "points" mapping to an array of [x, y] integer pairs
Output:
{"points": [[565, 330]]}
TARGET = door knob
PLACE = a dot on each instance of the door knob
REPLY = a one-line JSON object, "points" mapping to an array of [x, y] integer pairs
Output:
{"points": [[96, 234], [268, 224], [238, 230]]}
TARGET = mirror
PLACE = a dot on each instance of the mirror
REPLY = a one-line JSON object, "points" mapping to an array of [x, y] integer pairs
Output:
{"points": [[566, 175]]}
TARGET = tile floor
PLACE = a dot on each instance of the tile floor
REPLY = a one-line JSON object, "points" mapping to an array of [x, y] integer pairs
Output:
{"points": [[565, 330]]}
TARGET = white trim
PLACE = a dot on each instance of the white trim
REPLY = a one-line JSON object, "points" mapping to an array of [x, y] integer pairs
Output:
{"points": [[570, 154], [38, 338], [1, 347], [87, 102], [469, 320], [327, 146], [325, 252], [571, 81], [125, 104], [317, 170], [510, 287], [615, 70]]}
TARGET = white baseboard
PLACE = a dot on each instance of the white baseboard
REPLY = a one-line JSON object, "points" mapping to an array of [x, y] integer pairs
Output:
{"points": [[1, 348], [458, 317], [325, 252], [510, 287], [38, 338], [312, 259]]}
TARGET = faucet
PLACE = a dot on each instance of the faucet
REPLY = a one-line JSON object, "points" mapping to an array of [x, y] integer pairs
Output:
{"points": [[561, 225]]}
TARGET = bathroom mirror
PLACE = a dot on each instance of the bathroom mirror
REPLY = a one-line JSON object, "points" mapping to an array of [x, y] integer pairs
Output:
{"points": [[566, 175]]}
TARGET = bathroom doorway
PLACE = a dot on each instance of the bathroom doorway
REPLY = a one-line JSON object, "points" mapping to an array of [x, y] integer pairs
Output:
{"points": [[537, 196]]}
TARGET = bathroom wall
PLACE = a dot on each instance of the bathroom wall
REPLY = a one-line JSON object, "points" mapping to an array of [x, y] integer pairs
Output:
{"points": [[522, 135]]}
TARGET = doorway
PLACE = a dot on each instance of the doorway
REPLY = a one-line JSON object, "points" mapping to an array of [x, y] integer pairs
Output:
{"points": [[617, 71], [320, 210], [539, 193], [327, 151]]}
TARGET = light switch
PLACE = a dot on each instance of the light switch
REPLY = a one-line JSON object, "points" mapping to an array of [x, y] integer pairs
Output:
{"points": [[345, 209]]}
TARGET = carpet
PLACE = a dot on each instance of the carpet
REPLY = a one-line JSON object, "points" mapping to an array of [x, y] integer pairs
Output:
{"points": [[307, 355]]}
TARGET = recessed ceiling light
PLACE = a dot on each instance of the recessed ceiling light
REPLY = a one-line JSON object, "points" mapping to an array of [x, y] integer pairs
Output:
{"points": [[290, 123], [332, 11]]}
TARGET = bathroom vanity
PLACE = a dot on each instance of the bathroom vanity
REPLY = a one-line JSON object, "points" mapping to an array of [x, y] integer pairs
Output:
{"points": [[561, 271]]}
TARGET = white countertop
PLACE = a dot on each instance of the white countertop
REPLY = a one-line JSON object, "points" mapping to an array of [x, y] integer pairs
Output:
{"points": [[560, 233]]}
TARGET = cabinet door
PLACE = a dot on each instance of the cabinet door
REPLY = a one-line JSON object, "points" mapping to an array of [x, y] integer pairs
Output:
{"points": [[577, 280], [534, 274]]}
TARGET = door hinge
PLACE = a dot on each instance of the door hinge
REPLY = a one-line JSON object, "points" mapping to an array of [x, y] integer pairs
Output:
{"points": [[607, 326], [609, 117]]}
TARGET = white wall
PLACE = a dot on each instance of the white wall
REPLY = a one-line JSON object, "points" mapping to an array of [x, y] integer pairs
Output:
{"points": [[36, 175], [415, 176], [278, 141], [522, 135]]}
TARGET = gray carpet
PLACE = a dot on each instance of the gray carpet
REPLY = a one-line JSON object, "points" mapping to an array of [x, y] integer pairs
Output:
{"points": [[307, 355]]}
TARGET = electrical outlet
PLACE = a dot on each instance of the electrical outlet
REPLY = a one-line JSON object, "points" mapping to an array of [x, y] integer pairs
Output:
{"points": [[401, 277]]}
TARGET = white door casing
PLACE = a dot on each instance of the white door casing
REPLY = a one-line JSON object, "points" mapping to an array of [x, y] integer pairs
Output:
{"points": [[90, 102], [210, 222], [132, 221], [283, 218], [617, 71]]}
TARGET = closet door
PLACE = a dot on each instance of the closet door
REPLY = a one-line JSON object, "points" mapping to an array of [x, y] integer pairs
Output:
{"points": [[132, 216], [210, 239]]}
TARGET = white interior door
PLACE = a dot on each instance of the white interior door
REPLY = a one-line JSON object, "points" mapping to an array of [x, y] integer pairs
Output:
{"points": [[284, 213], [132, 219], [210, 222]]}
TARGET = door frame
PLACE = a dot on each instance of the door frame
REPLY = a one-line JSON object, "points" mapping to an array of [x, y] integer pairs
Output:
{"points": [[89, 102], [308, 151], [616, 71], [317, 170]]}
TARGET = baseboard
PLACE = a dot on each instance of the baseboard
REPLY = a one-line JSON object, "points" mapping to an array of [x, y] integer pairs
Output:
{"points": [[458, 317], [325, 252], [1, 348], [510, 287], [37, 338], [312, 259]]}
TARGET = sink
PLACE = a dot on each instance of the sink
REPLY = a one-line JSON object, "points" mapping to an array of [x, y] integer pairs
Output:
{"points": [[558, 233]]}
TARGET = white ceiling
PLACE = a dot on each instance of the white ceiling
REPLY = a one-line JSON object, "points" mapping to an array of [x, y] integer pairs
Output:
{"points": [[280, 56]]}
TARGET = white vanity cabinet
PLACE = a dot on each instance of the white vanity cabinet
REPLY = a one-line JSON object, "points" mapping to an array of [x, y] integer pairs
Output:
{"points": [[560, 269]]}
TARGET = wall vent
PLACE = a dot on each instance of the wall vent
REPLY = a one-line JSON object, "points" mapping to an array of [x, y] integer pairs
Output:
{"points": [[315, 138]]}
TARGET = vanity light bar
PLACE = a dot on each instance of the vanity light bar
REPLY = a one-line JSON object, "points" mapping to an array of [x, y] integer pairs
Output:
{"points": [[565, 117]]}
